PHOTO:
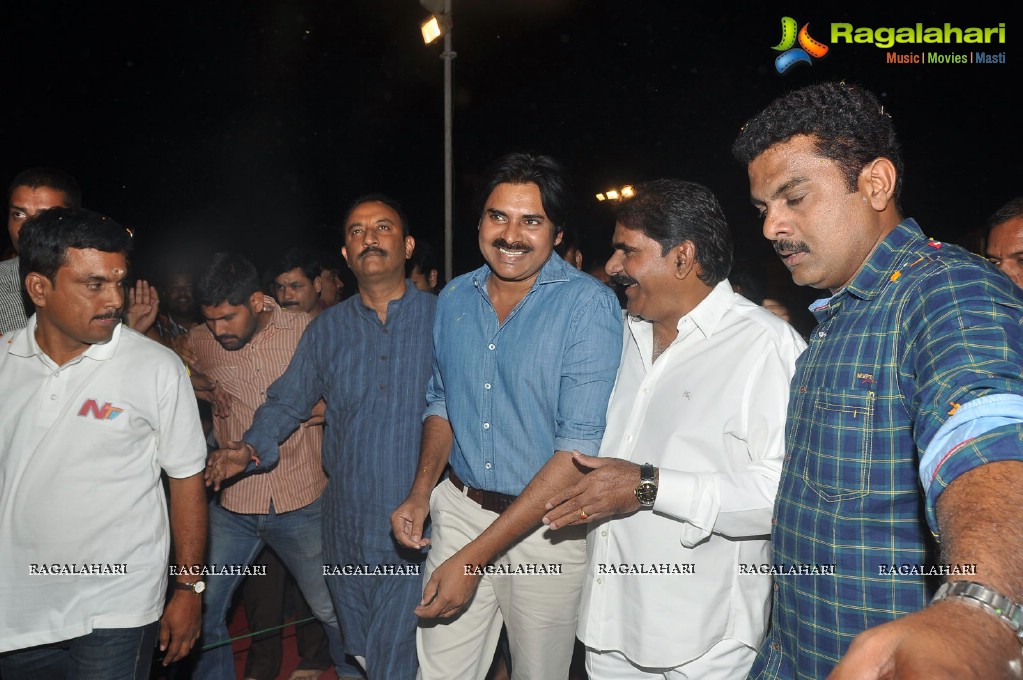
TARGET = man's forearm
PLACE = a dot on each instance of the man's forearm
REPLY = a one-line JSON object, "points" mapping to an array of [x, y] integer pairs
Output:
{"points": [[188, 519], [524, 515], [434, 452], [978, 515]]}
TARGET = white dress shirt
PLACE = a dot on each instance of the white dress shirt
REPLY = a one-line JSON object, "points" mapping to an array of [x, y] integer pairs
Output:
{"points": [[710, 414]]}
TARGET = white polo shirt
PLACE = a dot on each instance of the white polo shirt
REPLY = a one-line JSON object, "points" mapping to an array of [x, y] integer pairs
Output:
{"points": [[84, 530]]}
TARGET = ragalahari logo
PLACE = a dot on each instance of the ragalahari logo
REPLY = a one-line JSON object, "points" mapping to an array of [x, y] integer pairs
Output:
{"points": [[107, 412], [808, 50]]}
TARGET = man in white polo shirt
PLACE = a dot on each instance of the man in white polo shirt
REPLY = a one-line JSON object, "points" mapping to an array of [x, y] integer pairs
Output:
{"points": [[93, 412]]}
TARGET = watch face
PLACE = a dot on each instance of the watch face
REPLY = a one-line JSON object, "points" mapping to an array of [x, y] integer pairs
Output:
{"points": [[199, 586], [646, 494]]}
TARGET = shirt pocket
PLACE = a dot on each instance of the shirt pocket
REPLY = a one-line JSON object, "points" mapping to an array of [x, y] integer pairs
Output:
{"points": [[838, 452]]}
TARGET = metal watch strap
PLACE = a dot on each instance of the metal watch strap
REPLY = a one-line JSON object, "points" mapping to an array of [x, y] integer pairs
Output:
{"points": [[990, 600]]}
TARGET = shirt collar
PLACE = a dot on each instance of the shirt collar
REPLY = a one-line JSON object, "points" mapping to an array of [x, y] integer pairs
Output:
{"points": [[704, 317], [278, 316], [876, 272], [23, 344], [554, 270]]}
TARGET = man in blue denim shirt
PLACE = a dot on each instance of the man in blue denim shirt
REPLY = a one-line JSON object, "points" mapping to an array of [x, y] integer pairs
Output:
{"points": [[369, 359], [905, 414], [525, 354]]}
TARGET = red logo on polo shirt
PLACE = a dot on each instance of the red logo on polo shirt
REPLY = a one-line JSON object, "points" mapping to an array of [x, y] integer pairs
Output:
{"points": [[106, 412]]}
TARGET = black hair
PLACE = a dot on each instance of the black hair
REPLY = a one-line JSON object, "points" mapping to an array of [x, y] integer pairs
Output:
{"points": [[52, 178], [846, 123], [309, 261], [46, 237], [1009, 211], [377, 197], [227, 277], [671, 211], [532, 168], [425, 258]]}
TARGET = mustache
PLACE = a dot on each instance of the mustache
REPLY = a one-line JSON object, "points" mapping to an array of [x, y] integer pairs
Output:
{"points": [[109, 315], [784, 248], [225, 338], [518, 245], [372, 250], [622, 279]]}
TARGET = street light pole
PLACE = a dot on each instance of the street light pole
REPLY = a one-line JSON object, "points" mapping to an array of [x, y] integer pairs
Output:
{"points": [[447, 56]]}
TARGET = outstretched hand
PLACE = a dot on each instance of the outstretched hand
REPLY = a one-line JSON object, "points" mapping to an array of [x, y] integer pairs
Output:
{"points": [[607, 488], [143, 306], [227, 462]]}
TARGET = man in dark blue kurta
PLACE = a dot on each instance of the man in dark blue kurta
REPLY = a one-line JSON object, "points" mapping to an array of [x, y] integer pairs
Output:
{"points": [[369, 358]]}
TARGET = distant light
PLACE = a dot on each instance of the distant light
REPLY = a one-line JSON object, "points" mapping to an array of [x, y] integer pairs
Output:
{"points": [[431, 29], [601, 197], [628, 191], [613, 195]]}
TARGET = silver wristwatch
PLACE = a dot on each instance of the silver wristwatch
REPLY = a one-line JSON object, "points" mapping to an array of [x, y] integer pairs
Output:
{"points": [[1011, 613]]}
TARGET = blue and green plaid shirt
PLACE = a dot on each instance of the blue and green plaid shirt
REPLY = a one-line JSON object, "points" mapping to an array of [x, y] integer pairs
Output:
{"points": [[923, 329]]}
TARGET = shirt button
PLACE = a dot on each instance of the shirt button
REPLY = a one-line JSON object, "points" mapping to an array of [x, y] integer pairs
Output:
{"points": [[775, 646], [486, 386], [383, 387], [788, 457], [821, 334], [385, 331], [776, 586], [52, 397], [628, 437], [259, 370], [486, 426], [600, 580], [774, 521], [491, 346], [488, 466], [604, 534]]}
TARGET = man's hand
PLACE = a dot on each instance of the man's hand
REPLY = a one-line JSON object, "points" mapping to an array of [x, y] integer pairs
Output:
{"points": [[181, 346], [220, 401], [950, 639], [608, 488], [408, 519], [227, 462], [180, 625], [450, 589], [143, 306], [318, 415]]}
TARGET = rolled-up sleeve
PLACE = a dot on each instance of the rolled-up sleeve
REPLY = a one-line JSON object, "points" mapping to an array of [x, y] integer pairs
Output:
{"points": [[591, 362]]}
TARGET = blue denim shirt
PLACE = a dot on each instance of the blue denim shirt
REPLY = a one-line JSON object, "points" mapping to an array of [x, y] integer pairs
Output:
{"points": [[538, 383], [373, 377]]}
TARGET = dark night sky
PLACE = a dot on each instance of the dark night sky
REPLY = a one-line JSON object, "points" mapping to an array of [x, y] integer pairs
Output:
{"points": [[250, 125]]}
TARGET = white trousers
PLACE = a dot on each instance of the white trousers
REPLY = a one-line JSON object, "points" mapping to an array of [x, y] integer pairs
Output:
{"points": [[539, 610], [726, 660]]}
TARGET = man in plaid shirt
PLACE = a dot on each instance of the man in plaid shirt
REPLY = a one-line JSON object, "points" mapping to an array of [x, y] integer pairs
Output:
{"points": [[905, 420]]}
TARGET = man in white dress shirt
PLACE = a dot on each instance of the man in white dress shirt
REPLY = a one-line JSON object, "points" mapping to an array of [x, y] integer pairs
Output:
{"points": [[679, 500]]}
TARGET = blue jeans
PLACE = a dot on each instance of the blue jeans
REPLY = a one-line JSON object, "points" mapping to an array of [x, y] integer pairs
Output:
{"points": [[105, 653], [236, 539]]}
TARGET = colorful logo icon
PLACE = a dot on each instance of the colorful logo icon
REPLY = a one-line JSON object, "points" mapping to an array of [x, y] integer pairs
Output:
{"points": [[808, 50], [107, 412]]}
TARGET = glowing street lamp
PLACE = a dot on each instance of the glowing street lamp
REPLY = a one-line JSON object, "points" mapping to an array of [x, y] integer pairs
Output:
{"points": [[616, 194], [436, 26]]}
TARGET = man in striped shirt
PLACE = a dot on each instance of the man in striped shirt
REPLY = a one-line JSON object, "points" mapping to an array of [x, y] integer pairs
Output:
{"points": [[246, 343]]}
